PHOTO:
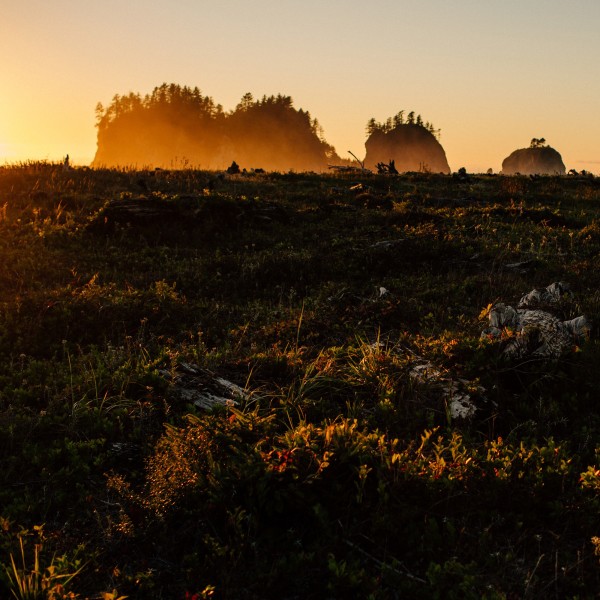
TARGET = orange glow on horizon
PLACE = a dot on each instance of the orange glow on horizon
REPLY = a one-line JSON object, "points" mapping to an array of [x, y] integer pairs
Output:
{"points": [[491, 78]]}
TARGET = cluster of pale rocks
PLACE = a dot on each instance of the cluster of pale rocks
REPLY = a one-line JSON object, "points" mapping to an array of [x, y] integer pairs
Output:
{"points": [[529, 330]]}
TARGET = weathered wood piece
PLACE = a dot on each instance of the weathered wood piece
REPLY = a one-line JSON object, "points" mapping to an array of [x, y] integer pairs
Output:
{"points": [[203, 388]]}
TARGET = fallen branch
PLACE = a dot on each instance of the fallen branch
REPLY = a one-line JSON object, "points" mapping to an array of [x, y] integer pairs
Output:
{"points": [[348, 169], [360, 162], [383, 565]]}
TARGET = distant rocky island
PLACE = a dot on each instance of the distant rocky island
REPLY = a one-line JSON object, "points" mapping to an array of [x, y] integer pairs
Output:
{"points": [[177, 127], [538, 159], [410, 142]]}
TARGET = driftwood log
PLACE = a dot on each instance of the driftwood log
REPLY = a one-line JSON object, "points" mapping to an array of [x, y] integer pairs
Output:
{"points": [[185, 213], [387, 169], [203, 388], [536, 328], [348, 169]]}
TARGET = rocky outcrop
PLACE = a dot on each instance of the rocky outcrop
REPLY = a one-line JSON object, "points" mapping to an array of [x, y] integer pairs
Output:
{"points": [[412, 147], [542, 160]]}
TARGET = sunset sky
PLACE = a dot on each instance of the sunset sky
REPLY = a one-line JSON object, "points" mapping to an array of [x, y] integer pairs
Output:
{"points": [[491, 75]]}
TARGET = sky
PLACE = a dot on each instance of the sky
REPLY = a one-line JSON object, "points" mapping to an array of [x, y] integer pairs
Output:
{"points": [[491, 75]]}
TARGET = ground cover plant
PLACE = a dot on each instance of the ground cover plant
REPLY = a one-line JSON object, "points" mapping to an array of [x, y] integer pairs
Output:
{"points": [[337, 473]]}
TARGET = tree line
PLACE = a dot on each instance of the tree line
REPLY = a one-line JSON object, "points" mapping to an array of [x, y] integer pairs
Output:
{"points": [[178, 125], [399, 119]]}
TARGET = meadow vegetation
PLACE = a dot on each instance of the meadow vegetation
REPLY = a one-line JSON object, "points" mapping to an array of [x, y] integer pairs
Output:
{"points": [[338, 475]]}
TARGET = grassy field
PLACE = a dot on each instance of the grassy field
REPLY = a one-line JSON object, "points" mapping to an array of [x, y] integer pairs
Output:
{"points": [[338, 473]]}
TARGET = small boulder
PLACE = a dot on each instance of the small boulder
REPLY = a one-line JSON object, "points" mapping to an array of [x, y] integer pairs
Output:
{"points": [[233, 169]]}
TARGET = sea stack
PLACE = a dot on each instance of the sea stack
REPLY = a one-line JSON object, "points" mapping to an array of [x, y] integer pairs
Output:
{"points": [[538, 159], [412, 147]]}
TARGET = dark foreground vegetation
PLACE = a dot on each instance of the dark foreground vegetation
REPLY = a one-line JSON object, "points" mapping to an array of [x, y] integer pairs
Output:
{"points": [[337, 474]]}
